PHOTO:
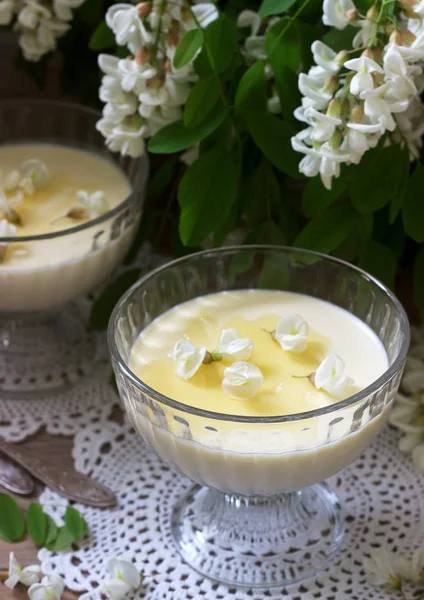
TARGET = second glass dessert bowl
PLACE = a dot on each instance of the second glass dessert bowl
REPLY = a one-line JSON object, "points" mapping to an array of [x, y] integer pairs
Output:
{"points": [[258, 514], [44, 343]]}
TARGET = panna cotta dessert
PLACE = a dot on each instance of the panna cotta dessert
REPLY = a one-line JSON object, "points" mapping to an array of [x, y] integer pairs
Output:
{"points": [[49, 196], [255, 354]]}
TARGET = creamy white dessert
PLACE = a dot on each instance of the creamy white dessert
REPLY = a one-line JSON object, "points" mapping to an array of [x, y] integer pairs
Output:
{"points": [[66, 188], [259, 458]]}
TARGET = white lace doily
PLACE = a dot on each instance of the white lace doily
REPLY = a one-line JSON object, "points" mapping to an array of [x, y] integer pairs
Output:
{"points": [[381, 495]]}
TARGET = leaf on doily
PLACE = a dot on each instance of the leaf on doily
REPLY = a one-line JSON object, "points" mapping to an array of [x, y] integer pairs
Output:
{"points": [[37, 523], [12, 524], [75, 522], [52, 530], [63, 541]]}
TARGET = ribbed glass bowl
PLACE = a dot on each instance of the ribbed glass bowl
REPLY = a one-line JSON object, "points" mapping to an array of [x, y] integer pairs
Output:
{"points": [[258, 517], [44, 343]]}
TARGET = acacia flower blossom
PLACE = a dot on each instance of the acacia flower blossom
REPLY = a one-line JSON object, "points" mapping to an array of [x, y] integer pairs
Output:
{"points": [[330, 376], [25, 575], [123, 578], [188, 357], [242, 380]]}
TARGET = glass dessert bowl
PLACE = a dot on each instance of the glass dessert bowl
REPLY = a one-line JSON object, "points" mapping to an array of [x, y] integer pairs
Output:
{"points": [[69, 211], [258, 514]]}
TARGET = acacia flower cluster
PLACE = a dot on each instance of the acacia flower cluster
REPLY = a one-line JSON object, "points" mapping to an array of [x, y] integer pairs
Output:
{"points": [[39, 24], [144, 92], [353, 98]]}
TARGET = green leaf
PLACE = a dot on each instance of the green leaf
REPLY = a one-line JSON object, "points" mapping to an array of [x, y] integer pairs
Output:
{"points": [[403, 168], [221, 43], [380, 261], [317, 198], [270, 233], [177, 136], [252, 90], [37, 523], [75, 522], [52, 530], [340, 39], [282, 44], [203, 97], [262, 195], [413, 206], [103, 305], [102, 38], [12, 524], [272, 135], [63, 541], [162, 177], [379, 178], [189, 44], [274, 7], [329, 229], [419, 282], [288, 91], [206, 194]]}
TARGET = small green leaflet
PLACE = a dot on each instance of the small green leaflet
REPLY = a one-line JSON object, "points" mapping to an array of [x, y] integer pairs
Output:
{"points": [[63, 541], [413, 206], [177, 136], [252, 90], [317, 198], [325, 232], [340, 39], [52, 530], [206, 194], [203, 97], [37, 523], [75, 522], [282, 44], [274, 7], [102, 38], [189, 44], [12, 524], [221, 43]]}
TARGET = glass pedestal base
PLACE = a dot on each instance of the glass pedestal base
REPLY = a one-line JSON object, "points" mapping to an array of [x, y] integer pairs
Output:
{"points": [[42, 353], [258, 542]]}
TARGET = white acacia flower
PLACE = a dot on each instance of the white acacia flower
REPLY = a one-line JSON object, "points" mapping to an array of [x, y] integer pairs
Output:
{"points": [[165, 93], [382, 569], [334, 12], [364, 67], [11, 181], [411, 569], [331, 378], [7, 230], [32, 13], [273, 104], [189, 358], [7, 9], [205, 13], [94, 204], [254, 44], [292, 333], [159, 116], [108, 64], [418, 457], [50, 588], [367, 30], [360, 137], [313, 91], [126, 136], [124, 578], [249, 18], [324, 125], [402, 86], [190, 156], [377, 108], [232, 347], [25, 575], [415, 51], [134, 76], [7, 206], [127, 26], [63, 8], [35, 175], [242, 380], [325, 57]]}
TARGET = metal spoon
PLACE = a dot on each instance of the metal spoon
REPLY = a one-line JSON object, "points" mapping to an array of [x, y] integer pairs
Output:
{"points": [[14, 478]]}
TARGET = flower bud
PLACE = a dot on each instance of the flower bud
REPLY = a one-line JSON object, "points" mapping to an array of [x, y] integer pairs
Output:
{"points": [[408, 37], [372, 14], [167, 66], [173, 39], [341, 58], [336, 140], [77, 213], [334, 108], [368, 53], [357, 114], [144, 9], [142, 56], [390, 28], [331, 84], [351, 15], [394, 581]]}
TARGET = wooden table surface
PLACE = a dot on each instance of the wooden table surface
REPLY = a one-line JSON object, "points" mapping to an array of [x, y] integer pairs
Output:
{"points": [[51, 448]]}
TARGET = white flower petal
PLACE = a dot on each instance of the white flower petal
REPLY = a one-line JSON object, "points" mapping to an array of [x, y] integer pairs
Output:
{"points": [[242, 381], [115, 588], [232, 347], [331, 378], [124, 570], [291, 333]]}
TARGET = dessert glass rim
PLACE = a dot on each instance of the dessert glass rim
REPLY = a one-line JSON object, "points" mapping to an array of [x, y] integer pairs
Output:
{"points": [[341, 404], [92, 222]]}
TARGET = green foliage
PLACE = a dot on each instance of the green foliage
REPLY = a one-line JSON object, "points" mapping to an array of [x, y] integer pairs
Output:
{"points": [[41, 528], [274, 7], [413, 207], [105, 303], [206, 194], [380, 261], [252, 88], [317, 198], [326, 231], [189, 44], [102, 38], [220, 44], [202, 99], [419, 282]]}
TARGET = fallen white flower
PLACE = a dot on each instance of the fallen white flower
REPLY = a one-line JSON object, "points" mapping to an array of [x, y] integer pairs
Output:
{"points": [[50, 588], [232, 347], [331, 378], [94, 204], [382, 569], [189, 358], [35, 175], [242, 380], [124, 577], [291, 333], [25, 575]]}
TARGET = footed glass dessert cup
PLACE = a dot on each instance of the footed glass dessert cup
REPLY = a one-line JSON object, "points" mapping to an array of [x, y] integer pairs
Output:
{"points": [[44, 342], [258, 514]]}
